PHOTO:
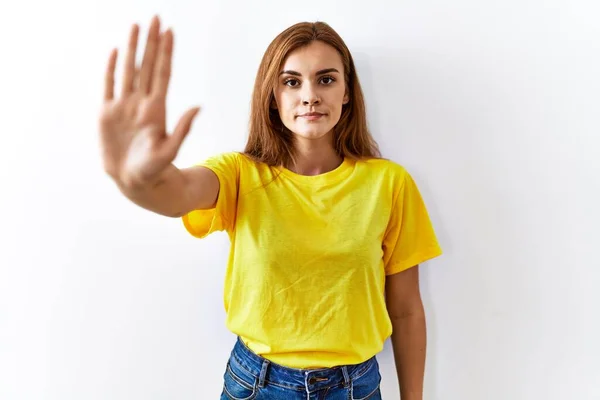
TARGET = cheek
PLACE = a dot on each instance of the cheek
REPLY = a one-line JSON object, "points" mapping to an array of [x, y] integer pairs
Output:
{"points": [[287, 106], [336, 97], [342, 96]]}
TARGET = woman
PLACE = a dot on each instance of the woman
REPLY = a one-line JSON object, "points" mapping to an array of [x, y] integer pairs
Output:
{"points": [[326, 236]]}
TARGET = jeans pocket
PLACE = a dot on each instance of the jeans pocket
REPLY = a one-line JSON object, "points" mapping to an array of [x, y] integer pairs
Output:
{"points": [[238, 384], [367, 385]]}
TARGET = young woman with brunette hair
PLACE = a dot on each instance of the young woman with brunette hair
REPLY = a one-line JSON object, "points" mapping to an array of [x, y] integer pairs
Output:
{"points": [[326, 236]]}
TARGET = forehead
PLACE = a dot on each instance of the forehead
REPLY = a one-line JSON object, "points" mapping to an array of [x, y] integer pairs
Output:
{"points": [[313, 57]]}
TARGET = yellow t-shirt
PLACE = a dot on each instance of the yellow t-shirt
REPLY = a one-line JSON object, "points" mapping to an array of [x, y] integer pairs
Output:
{"points": [[306, 274]]}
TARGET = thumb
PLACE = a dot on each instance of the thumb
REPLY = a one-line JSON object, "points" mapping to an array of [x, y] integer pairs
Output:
{"points": [[183, 128]]}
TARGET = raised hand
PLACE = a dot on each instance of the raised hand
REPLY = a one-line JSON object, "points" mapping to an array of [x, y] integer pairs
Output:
{"points": [[136, 148]]}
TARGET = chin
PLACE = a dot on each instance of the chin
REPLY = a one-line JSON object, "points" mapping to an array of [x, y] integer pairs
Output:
{"points": [[315, 131], [316, 134]]}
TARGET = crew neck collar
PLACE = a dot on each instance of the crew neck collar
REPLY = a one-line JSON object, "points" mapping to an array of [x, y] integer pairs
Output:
{"points": [[336, 174]]}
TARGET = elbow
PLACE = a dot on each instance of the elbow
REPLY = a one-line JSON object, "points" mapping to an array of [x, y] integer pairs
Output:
{"points": [[177, 214]]}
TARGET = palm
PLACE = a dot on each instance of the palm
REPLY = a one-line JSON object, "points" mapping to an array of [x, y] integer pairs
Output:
{"points": [[135, 144]]}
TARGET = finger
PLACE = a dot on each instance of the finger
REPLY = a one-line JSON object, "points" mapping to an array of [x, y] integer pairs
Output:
{"points": [[136, 79], [162, 72], [149, 60], [130, 61], [109, 78], [182, 129]]}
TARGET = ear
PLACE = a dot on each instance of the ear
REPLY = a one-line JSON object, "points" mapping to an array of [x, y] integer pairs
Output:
{"points": [[346, 98]]}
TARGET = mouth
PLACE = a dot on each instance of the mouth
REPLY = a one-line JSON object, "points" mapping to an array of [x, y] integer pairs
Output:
{"points": [[312, 116]]}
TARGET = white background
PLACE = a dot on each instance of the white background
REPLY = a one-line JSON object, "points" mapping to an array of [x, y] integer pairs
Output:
{"points": [[492, 106]]}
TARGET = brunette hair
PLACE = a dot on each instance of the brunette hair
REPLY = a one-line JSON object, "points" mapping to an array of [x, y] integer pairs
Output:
{"points": [[269, 140]]}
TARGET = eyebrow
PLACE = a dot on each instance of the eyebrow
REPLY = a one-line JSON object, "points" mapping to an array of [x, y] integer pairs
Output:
{"points": [[321, 72]]}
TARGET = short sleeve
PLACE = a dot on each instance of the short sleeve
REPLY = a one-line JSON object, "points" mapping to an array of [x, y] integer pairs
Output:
{"points": [[410, 238], [201, 223]]}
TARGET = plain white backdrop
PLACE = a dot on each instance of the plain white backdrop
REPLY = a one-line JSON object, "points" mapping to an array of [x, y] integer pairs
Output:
{"points": [[494, 107]]}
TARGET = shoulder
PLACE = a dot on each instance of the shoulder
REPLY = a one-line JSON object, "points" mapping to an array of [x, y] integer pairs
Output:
{"points": [[239, 164], [384, 167], [240, 158], [229, 158], [387, 175]]}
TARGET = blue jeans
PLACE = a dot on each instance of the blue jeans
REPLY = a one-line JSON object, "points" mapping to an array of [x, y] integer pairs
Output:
{"points": [[249, 376]]}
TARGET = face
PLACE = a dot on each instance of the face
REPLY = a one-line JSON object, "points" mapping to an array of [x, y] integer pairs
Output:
{"points": [[311, 91]]}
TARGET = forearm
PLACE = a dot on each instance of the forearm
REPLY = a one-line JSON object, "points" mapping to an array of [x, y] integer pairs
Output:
{"points": [[168, 195], [409, 341]]}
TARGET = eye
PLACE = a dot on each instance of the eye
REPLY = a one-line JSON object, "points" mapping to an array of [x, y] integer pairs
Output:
{"points": [[291, 82], [327, 80]]}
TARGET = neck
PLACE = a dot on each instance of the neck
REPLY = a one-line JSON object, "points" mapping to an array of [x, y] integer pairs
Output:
{"points": [[315, 157]]}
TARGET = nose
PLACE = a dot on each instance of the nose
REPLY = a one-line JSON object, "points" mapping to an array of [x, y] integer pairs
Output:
{"points": [[310, 96]]}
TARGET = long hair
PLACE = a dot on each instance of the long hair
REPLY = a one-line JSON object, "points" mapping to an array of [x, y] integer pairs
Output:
{"points": [[269, 140]]}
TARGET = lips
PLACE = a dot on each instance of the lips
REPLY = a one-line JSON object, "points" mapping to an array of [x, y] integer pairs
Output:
{"points": [[311, 116]]}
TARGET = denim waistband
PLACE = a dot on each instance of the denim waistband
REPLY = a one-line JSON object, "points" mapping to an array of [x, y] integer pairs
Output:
{"points": [[269, 372]]}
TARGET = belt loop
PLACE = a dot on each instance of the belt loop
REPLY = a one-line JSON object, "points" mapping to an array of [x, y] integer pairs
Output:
{"points": [[263, 374], [346, 376]]}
